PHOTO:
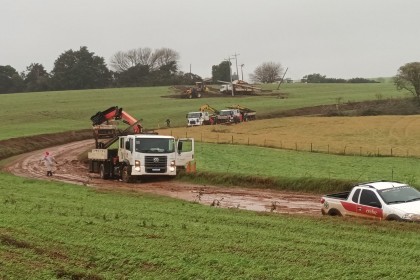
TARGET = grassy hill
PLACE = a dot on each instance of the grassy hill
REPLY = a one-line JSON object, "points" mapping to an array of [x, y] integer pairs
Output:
{"points": [[59, 231], [34, 113]]}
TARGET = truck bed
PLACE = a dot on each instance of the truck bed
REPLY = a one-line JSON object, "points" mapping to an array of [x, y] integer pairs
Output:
{"points": [[341, 196]]}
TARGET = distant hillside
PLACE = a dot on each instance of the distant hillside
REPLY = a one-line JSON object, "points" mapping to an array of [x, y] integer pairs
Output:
{"points": [[384, 80]]}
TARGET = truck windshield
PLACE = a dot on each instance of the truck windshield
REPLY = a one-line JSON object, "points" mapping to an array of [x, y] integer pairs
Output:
{"points": [[225, 113], [399, 195], [194, 115], [155, 145]]}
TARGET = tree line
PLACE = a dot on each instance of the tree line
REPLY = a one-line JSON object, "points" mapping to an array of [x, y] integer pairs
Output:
{"points": [[318, 78], [82, 69]]}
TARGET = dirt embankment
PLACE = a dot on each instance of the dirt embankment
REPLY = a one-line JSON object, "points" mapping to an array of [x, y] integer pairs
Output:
{"points": [[71, 170]]}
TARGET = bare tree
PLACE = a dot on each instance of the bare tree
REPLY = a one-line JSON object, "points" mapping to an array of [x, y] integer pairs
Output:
{"points": [[268, 72], [164, 56], [119, 62], [122, 61]]}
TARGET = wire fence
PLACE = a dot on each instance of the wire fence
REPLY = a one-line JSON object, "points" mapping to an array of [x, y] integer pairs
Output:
{"points": [[261, 141]]}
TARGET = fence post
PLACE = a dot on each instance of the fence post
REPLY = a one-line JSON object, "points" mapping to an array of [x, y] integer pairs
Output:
{"points": [[201, 137], [264, 142], [360, 154], [345, 150], [391, 152], [232, 139], [296, 146], [217, 138], [248, 141], [311, 147], [328, 148]]}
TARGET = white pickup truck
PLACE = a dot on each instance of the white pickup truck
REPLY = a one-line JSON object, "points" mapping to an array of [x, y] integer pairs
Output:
{"points": [[375, 200]]}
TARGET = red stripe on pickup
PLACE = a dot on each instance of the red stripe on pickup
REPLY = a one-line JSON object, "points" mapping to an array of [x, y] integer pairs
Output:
{"points": [[351, 207]]}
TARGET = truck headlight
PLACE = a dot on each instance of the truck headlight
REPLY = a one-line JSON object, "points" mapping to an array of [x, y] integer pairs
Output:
{"points": [[172, 167], [411, 217], [137, 165]]}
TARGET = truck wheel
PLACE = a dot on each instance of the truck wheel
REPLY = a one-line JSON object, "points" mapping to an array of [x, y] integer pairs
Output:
{"points": [[103, 174], [334, 212], [393, 218], [126, 174]]}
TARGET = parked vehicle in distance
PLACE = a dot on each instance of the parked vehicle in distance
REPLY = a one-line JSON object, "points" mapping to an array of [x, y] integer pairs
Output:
{"points": [[206, 115], [375, 200]]}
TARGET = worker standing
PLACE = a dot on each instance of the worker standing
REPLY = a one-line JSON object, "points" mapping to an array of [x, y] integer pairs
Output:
{"points": [[49, 162]]}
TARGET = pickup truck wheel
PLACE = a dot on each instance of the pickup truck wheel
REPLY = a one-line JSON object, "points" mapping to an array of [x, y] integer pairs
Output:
{"points": [[393, 218], [126, 174], [334, 212], [102, 172]]}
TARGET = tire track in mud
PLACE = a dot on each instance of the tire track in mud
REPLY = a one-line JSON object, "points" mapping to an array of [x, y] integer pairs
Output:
{"points": [[71, 170]]}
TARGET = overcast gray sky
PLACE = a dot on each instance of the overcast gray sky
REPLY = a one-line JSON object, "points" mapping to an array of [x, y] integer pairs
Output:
{"points": [[337, 38]]}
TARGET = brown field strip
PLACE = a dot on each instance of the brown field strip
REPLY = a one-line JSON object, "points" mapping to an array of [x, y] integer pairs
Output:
{"points": [[373, 135]]}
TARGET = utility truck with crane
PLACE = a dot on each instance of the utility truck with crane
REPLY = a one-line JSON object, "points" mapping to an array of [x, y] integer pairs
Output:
{"points": [[204, 116], [136, 153]]}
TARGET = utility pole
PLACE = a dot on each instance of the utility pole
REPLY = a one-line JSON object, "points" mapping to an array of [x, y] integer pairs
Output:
{"points": [[242, 72], [236, 60], [282, 78], [230, 74]]}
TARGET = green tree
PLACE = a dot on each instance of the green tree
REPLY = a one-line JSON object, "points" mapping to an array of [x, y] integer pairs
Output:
{"points": [[36, 78], [133, 76], [314, 78], [10, 80], [221, 72], [408, 78], [80, 70]]}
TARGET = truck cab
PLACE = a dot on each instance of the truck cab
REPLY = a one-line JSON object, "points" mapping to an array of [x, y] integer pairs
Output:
{"points": [[198, 118], [229, 116]]}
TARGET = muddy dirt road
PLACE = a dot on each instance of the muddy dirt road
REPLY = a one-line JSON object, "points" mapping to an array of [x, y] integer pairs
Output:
{"points": [[71, 170]]}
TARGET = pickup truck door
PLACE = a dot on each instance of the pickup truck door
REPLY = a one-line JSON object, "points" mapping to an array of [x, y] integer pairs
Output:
{"points": [[184, 151], [369, 205], [352, 206]]}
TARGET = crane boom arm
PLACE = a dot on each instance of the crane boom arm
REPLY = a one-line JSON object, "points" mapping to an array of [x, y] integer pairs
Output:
{"points": [[207, 107], [115, 113]]}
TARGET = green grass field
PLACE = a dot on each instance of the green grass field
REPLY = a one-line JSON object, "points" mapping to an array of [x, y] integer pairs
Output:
{"points": [[26, 114], [283, 164], [61, 231]]}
